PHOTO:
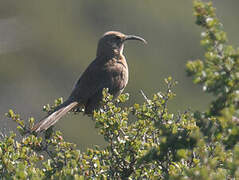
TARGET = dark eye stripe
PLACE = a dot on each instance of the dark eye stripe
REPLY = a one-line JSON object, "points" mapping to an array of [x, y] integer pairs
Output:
{"points": [[117, 37]]}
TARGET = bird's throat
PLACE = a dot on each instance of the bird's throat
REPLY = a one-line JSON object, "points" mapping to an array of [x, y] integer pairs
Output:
{"points": [[121, 49], [119, 52]]}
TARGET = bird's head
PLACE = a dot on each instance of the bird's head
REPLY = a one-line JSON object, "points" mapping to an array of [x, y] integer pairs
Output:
{"points": [[112, 43]]}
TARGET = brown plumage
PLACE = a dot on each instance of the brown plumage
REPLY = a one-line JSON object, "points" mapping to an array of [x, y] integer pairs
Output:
{"points": [[108, 70]]}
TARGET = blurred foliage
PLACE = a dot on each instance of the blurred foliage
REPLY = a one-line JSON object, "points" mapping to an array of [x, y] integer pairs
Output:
{"points": [[146, 141]]}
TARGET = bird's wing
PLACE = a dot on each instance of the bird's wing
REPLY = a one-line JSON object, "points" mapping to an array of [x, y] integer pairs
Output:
{"points": [[94, 79]]}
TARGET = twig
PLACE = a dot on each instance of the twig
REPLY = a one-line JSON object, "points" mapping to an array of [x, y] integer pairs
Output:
{"points": [[145, 97]]}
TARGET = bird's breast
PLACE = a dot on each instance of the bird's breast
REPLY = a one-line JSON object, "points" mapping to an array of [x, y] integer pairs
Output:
{"points": [[118, 74]]}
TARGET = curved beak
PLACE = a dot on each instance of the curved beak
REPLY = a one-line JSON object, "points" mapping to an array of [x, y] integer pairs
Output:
{"points": [[133, 37]]}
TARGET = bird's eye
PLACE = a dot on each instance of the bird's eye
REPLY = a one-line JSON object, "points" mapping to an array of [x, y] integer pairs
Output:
{"points": [[117, 38]]}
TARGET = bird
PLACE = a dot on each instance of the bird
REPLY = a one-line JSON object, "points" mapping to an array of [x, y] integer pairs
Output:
{"points": [[108, 70]]}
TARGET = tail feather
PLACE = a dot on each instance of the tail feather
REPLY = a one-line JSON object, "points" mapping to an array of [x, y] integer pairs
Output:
{"points": [[51, 119]]}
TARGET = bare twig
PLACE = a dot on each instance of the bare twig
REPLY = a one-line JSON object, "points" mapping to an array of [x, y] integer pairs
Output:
{"points": [[145, 97]]}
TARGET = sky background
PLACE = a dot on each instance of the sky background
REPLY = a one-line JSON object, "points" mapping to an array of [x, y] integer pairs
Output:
{"points": [[46, 45]]}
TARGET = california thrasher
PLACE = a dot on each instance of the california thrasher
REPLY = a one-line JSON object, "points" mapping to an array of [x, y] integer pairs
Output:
{"points": [[108, 70]]}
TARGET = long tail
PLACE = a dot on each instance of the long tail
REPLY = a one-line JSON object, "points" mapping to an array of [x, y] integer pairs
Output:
{"points": [[51, 119]]}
